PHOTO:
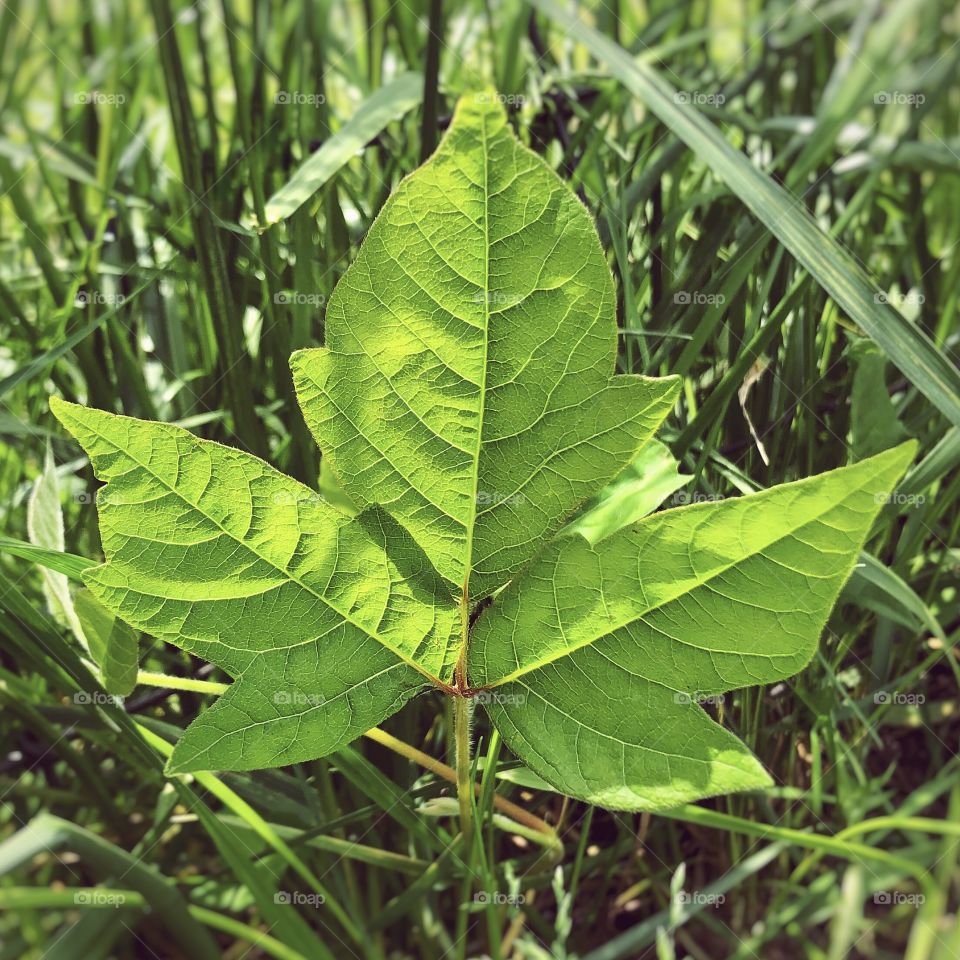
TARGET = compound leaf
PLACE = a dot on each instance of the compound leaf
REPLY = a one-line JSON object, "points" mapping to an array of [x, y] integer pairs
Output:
{"points": [[467, 383], [598, 655]]}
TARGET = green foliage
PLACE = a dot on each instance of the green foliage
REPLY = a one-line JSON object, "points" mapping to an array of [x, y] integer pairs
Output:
{"points": [[466, 401], [467, 382], [601, 655], [113, 645]]}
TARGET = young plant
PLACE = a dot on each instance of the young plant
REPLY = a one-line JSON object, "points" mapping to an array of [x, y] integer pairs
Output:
{"points": [[466, 401]]}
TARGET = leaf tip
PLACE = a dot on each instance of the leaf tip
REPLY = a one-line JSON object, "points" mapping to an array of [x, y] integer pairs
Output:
{"points": [[62, 409]]}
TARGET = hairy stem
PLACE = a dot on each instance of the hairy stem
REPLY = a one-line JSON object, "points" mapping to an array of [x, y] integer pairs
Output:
{"points": [[461, 734]]}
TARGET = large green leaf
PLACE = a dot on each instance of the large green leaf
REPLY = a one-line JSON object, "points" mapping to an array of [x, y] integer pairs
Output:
{"points": [[466, 404], [595, 659], [329, 624], [467, 384]]}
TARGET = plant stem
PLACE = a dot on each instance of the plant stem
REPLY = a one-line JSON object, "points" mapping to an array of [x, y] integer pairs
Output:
{"points": [[461, 734], [180, 683], [448, 773]]}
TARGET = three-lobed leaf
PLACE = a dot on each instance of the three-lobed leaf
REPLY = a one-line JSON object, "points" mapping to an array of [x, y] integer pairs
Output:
{"points": [[466, 402]]}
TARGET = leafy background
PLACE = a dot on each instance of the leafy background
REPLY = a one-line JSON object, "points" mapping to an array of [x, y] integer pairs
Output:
{"points": [[141, 145]]}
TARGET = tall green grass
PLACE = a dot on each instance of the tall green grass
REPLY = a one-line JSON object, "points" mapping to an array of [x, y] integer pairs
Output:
{"points": [[778, 188]]}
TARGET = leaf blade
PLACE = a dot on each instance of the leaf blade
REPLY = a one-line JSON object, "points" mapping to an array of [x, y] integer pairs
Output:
{"points": [[684, 605], [389, 103], [449, 390], [249, 569]]}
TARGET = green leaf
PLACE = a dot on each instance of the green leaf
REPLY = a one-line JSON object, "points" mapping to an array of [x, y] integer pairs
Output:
{"points": [[466, 405], [639, 490], [45, 530], [66, 563], [113, 645], [596, 658], [874, 424], [329, 624], [467, 383]]}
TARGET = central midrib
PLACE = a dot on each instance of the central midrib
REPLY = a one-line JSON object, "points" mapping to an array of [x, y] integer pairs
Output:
{"points": [[468, 550]]}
